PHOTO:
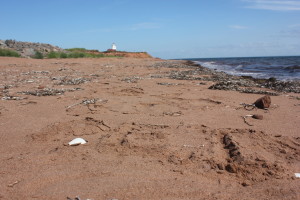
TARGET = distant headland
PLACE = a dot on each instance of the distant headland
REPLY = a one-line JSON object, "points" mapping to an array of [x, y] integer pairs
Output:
{"points": [[42, 50]]}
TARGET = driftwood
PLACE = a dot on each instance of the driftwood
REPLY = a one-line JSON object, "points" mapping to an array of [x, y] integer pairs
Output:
{"points": [[256, 116], [244, 117]]}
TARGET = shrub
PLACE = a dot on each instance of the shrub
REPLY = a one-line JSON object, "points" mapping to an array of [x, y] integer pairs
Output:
{"points": [[38, 55], [9, 53], [53, 54], [63, 55], [77, 55]]}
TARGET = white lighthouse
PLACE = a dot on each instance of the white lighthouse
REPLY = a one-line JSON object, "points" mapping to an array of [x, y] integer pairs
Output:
{"points": [[114, 47]]}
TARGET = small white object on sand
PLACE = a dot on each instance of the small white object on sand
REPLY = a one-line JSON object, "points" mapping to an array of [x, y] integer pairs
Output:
{"points": [[297, 175], [77, 141]]}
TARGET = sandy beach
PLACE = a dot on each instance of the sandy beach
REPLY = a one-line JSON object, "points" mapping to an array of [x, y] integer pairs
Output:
{"points": [[150, 136]]}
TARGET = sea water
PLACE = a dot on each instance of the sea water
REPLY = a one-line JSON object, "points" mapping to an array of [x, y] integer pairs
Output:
{"points": [[281, 68]]}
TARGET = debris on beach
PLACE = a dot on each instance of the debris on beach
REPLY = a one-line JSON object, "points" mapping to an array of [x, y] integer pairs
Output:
{"points": [[74, 81], [244, 117], [283, 86], [44, 92], [179, 113], [13, 184], [168, 84], [242, 87], [12, 98], [255, 116], [76, 198], [86, 102], [263, 102], [49, 91], [133, 79], [77, 141]]}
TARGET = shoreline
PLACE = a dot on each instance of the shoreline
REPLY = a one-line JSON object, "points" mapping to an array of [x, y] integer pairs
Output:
{"points": [[283, 68], [270, 83]]}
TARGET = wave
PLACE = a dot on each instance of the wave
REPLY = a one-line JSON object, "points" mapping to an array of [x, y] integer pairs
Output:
{"points": [[295, 67], [282, 68]]}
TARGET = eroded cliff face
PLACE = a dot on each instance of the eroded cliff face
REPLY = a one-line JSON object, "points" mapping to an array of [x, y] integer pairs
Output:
{"points": [[129, 54]]}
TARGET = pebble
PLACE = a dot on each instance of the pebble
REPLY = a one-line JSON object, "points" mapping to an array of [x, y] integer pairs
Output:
{"points": [[231, 168], [256, 116]]}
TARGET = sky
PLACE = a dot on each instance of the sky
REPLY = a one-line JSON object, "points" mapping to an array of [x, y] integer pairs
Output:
{"points": [[167, 29]]}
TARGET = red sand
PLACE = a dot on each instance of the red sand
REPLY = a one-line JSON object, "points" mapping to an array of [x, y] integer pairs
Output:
{"points": [[145, 140]]}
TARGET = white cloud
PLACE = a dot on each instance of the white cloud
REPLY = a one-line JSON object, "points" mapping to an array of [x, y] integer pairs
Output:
{"points": [[277, 5], [238, 27]]}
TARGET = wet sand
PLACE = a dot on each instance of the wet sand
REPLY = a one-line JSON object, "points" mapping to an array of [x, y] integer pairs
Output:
{"points": [[149, 136]]}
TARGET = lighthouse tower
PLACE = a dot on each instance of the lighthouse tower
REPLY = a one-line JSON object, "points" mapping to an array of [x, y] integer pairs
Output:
{"points": [[114, 47]]}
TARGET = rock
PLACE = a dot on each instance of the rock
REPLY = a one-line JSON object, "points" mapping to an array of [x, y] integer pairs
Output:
{"points": [[263, 102], [28, 52], [221, 166], [246, 183], [260, 117], [283, 151], [2, 44], [29, 49], [231, 168], [41, 87]]}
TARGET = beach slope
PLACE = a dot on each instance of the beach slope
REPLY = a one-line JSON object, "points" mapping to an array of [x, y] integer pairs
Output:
{"points": [[153, 129]]}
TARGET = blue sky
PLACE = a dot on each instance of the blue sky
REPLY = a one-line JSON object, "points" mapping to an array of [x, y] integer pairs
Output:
{"points": [[164, 28]]}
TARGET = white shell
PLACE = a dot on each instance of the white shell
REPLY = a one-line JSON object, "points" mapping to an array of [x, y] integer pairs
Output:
{"points": [[77, 141], [297, 175]]}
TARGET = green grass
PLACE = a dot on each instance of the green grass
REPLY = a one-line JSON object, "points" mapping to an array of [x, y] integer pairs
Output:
{"points": [[72, 53], [77, 49], [63, 55], [9, 53], [53, 54], [76, 54]]}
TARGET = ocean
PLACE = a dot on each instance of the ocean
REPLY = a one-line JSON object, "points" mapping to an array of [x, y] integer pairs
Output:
{"points": [[283, 68]]}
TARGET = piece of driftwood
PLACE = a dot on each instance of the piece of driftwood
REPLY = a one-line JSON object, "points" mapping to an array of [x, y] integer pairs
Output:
{"points": [[14, 183], [244, 117], [84, 102], [255, 116]]}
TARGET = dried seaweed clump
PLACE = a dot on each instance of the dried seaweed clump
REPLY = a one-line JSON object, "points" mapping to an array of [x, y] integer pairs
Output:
{"points": [[49, 92], [74, 81], [240, 87]]}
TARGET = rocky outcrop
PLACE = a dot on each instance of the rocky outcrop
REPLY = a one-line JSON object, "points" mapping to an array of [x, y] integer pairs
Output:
{"points": [[28, 49]]}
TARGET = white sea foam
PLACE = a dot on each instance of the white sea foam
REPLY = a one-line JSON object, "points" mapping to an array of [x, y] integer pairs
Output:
{"points": [[282, 68]]}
